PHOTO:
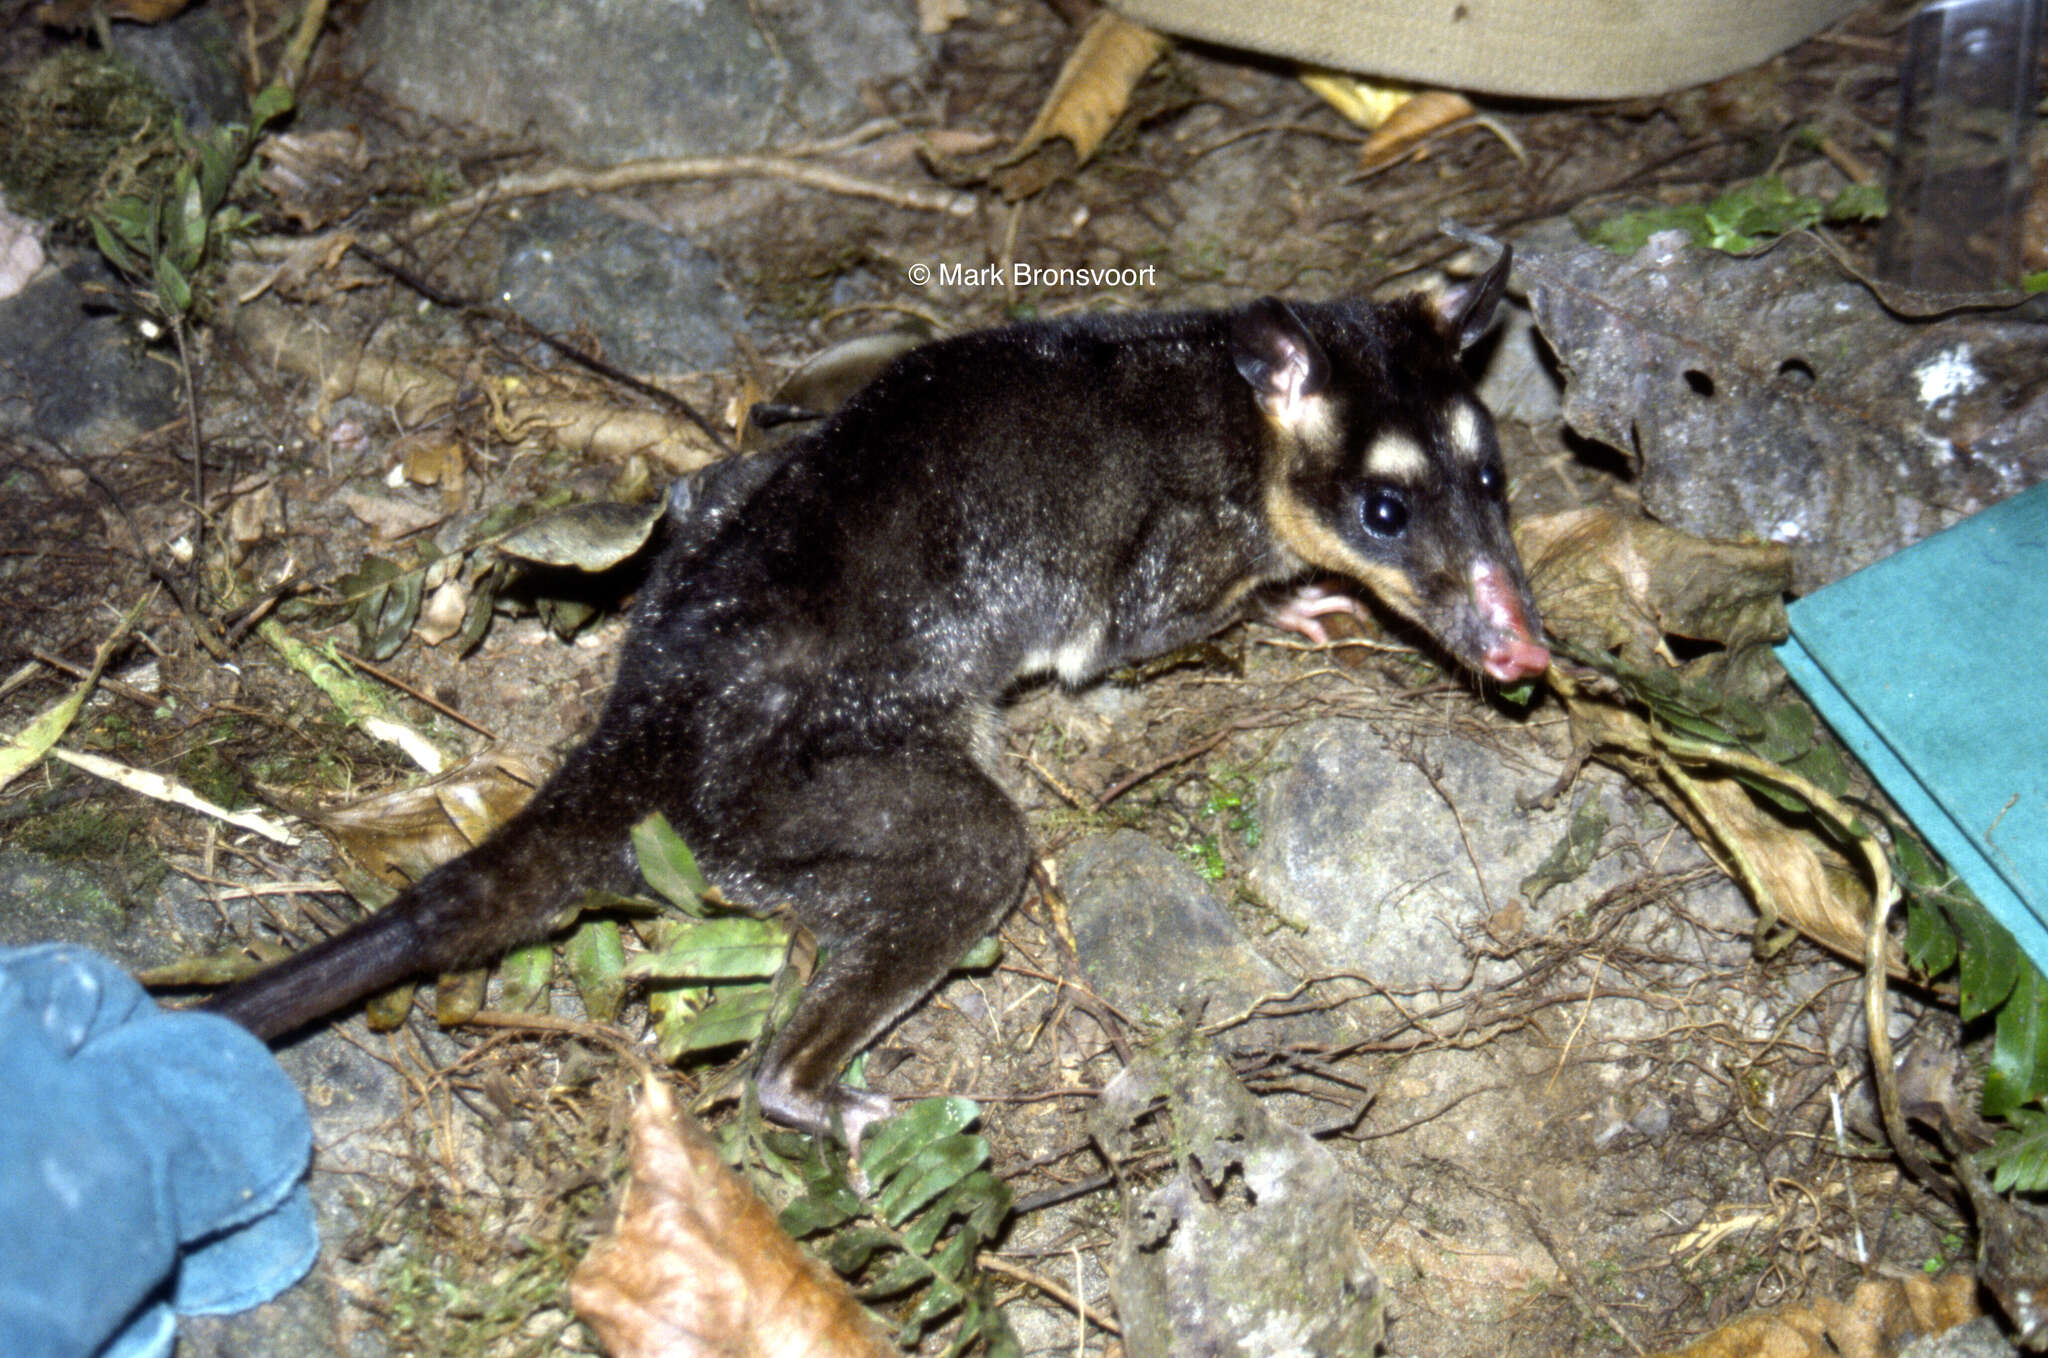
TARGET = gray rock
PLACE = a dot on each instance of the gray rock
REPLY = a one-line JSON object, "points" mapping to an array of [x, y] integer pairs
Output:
{"points": [[656, 302], [1362, 851], [1774, 397], [1979, 1338], [193, 60], [606, 80], [1248, 1248], [44, 902], [1154, 939], [82, 379]]}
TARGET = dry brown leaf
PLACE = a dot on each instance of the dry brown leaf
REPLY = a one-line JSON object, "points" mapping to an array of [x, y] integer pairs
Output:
{"points": [[417, 395], [936, 16], [389, 518], [314, 176], [435, 457], [1092, 92], [1879, 1319], [1623, 583], [1414, 122], [399, 836], [1609, 581], [696, 1267], [442, 615]]}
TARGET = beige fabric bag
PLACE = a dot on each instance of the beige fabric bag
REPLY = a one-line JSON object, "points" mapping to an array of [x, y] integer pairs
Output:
{"points": [[1553, 49]]}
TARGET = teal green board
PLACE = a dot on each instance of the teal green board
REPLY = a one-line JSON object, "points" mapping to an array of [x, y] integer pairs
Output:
{"points": [[1932, 666]]}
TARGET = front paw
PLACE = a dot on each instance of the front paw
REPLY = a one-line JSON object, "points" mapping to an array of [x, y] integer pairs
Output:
{"points": [[1303, 611]]}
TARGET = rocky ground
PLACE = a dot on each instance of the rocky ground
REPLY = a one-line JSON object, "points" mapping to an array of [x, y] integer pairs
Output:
{"points": [[1561, 1100]]}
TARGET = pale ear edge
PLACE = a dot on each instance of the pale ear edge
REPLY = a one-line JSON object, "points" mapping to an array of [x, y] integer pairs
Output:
{"points": [[1466, 310]]}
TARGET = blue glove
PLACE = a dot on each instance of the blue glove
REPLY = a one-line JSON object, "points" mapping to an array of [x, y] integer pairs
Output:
{"points": [[151, 1163]]}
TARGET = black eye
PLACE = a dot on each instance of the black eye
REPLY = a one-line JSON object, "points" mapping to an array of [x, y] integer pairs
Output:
{"points": [[1490, 479], [1383, 512]]}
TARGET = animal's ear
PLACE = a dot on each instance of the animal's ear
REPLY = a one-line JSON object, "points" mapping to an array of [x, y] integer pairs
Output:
{"points": [[1276, 354], [1467, 309]]}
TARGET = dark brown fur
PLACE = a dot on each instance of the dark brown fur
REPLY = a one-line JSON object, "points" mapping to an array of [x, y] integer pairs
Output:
{"points": [[814, 659]]}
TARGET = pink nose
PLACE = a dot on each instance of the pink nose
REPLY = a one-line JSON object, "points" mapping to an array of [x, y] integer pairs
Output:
{"points": [[1516, 658], [1512, 651]]}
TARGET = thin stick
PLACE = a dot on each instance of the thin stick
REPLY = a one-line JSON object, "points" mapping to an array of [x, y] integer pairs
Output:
{"points": [[162, 789], [681, 169], [375, 673], [995, 1263]]}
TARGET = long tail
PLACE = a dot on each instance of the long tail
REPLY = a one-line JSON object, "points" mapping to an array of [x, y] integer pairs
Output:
{"points": [[516, 887]]}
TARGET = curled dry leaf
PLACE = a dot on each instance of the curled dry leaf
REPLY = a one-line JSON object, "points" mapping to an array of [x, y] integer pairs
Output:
{"points": [[1613, 583], [1623, 583], [696, 1267], [1416, 121], [586, 537], [1877, 1321], [442, 616], [419, 395], [435, 457], [1092, 91], [315, 176], [399, 836]]}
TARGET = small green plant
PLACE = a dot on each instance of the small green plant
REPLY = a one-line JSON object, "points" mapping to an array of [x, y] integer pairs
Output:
{"points": [[715, 964], [163, 241], [930, 1206], [1741, 219]]}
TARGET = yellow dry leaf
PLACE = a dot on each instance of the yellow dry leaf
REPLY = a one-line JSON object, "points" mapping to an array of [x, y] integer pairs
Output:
{"points": [[1365, 102], [1878, 1320], [1094, 86], [1411, 124]]}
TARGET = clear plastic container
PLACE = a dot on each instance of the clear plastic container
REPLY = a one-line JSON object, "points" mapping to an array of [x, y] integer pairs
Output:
{"points": [[1959, 170]]}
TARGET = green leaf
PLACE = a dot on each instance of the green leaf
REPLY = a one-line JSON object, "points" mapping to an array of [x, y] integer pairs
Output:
{"points": [[1858, 203], [668, 865], [729, 948], [2018, 1158], [944, 1295], [185, 227], [477, 621], [933, 1170], [526, 976], [386, 603], [220, 155], [904, 1271], [891, 1144], [585, 537], [272, 102], [597, 963], [982, 955], [849, 1252], [2019, 1057], [735, 1015], [1990, 959], [134, 221], [117, 253], [811, 1214], [1930, 939], [171, 288]]}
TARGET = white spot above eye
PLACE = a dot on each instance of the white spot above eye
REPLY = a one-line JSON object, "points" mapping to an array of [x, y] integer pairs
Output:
{"points": [[1947, 375], [1396, 457], [1464, 426]]}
